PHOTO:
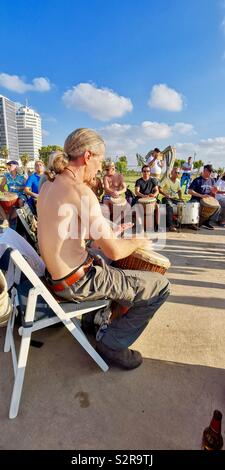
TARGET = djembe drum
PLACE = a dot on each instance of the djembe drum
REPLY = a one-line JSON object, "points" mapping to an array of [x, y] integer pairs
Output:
{"points": [[117, 209], [147, 215], [144, 260], [208, 206], [8, 200]]}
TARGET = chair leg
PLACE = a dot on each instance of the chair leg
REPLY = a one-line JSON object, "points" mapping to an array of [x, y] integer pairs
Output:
{"points": [[81, 338], [20, 372], [10, 324]]}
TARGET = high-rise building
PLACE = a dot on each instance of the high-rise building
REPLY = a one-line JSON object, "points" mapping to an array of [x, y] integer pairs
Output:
{"points": [[29, 131], [8, 127]]}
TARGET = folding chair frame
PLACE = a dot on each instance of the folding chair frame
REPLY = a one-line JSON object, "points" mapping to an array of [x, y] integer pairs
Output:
{"points": [[30, 325]]}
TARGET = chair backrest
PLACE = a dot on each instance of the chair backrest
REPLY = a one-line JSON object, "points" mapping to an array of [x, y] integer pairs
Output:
{"points": [[40, 288], [29, 222]]}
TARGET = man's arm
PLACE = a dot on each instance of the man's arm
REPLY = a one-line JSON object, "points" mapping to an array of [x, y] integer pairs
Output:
{"points": [[27, 189], [155, 191], [194, 193], [122, 185], [101, 232], [137, 192]]}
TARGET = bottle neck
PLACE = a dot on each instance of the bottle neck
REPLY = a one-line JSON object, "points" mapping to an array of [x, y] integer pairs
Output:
{"points": [[215, 424]]}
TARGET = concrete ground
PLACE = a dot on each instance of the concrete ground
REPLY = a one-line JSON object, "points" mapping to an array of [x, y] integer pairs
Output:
{"points": [[68, 403]]}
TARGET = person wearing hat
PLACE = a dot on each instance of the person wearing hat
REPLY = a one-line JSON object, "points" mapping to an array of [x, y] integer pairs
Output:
{"points": [[15, 184], [202, 187]]}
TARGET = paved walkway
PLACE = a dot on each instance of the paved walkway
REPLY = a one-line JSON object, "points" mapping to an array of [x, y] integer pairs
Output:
{"points": [[68, 403]]}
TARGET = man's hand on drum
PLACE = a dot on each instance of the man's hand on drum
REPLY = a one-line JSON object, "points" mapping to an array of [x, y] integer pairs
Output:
{"points": [[203, 196], [214, 190], [115, 194]]}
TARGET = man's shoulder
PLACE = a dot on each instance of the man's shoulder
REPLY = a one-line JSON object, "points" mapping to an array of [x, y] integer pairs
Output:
{"points": [[138, 181], [154, 180], [31, 178]]}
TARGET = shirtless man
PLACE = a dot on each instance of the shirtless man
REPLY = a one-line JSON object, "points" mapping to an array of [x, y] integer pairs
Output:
{"points": [[71, 212], [114, 186]]}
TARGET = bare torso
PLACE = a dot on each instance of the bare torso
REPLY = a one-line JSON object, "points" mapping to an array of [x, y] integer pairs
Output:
{"points": [[61, 256], [115, 182]]}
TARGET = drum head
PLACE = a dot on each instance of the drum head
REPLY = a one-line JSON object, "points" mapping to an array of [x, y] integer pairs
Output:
{"points": [[209, 202], [145, 200], [152, 257], [118, 201], [7, 196]]}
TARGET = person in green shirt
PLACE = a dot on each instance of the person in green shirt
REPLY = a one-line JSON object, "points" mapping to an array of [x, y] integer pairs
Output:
{"points": [[171, 191]]}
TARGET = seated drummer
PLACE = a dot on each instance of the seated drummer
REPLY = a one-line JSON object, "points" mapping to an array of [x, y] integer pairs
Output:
{"points": [[201, 187], [114, 186], [74, 273], [15, 184], [171, 191], [146, 186]]}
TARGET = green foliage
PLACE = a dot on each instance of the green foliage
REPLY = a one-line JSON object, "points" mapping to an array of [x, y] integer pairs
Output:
{"points": [[179, 162], [121, 164], [44, 152], [4, 152], [198, 164], [25, 158]]}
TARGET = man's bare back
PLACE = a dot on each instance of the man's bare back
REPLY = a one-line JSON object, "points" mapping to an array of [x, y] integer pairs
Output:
{"points": [[55, 219]]}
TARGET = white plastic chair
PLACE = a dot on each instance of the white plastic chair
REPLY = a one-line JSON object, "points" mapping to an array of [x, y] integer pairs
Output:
{"points": [[38, 316]]}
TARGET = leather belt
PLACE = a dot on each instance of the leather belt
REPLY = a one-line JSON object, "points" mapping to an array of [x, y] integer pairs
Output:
{"points": [[74, 277]]}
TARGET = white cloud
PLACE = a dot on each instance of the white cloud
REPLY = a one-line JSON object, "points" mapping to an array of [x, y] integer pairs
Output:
{"points": [[184, 128], [156, 130], [17, 84], [45, 133], [163, 97], [208, 150], [100, 103], [128, 139]]}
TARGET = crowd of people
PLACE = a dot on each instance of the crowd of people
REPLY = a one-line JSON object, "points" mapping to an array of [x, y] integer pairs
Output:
{"points": [[73, 180]]}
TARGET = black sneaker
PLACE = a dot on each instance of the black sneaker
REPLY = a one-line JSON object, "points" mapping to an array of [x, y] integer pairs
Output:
{"points": [[208, 226]]}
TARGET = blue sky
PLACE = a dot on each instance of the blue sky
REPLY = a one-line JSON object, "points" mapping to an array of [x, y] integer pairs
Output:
{"points": [[143, 73]]}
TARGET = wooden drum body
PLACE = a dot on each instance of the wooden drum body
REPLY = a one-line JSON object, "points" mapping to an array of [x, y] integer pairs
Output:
{"points": [[7, 200], [208, 207], [144, 260], [117, 209], [148, 206]]}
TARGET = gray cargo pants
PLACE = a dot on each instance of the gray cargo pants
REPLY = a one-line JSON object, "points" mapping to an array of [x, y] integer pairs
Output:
{"points": [[143, 291]]}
